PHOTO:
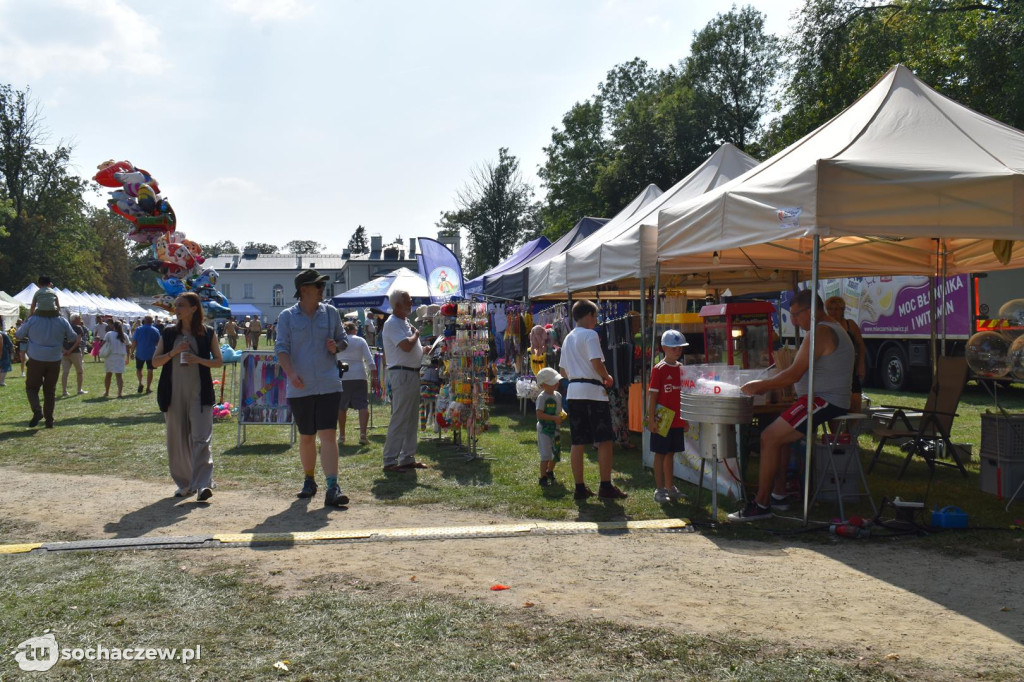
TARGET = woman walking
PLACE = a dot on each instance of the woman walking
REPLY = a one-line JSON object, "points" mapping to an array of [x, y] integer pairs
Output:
{"points": [[187, 352], [116, 350]]}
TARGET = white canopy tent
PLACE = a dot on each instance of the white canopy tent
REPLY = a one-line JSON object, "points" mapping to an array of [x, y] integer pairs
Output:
{"points": [[901, 168], [625, 248]]}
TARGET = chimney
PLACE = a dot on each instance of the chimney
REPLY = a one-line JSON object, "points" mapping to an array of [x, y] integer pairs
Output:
{"points": [[376, 243], [412, 248], [298, 262], [345, 254]]}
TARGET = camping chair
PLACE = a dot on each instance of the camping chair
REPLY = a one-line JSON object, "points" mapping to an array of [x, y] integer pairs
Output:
{"points": [[932, 433]]}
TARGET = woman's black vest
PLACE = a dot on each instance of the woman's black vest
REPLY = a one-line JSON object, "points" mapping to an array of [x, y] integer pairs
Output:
{"points": [[163, 388]]}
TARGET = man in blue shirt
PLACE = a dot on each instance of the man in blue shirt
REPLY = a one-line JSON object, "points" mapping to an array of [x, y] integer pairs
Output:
{"points": [[309, 334], [145, 339], [46, 337]]}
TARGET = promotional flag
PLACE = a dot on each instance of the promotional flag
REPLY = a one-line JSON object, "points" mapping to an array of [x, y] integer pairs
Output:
{"points": [[441, 269]]}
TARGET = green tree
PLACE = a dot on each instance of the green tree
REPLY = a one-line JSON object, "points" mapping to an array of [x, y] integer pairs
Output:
{"points": [[42, 227], [732, 66], [495, 210], [304, 246], [358, 243], [972, 52], [217, 248], [261, 247], [114, 262]]}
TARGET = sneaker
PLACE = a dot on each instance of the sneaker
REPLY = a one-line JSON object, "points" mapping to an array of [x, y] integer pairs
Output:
{"points": [[335, 498], [140, 389], [551, 476], [341, 441], [752, 512], [582, 494], [64, 394], [184, 492], [82, 392], [611, 493], [308, 489], [544, 482], [661, 496], [204, 495], [674, 494], [780, 503], [364, 439]]}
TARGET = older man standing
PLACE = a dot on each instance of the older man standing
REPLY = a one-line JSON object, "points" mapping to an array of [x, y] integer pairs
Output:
{"points": [[403, 353], [46, 337], [309, 336], [72, 357]]}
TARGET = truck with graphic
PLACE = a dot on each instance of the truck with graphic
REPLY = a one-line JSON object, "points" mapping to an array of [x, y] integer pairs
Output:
{"points": [[895, 318]]}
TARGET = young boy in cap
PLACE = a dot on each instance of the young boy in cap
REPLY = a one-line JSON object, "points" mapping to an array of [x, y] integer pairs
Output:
{"points": [[549, 421], [664, 392]]}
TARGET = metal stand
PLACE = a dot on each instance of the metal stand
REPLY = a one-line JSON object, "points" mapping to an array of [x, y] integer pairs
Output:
{"points": [[850, 453]]}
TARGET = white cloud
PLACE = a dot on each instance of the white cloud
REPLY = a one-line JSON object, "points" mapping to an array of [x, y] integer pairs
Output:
{"points": [[269, 10], [77, 36]]}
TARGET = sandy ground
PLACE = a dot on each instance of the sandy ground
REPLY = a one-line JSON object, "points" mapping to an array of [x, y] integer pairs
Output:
{"points": [[879, 599]]}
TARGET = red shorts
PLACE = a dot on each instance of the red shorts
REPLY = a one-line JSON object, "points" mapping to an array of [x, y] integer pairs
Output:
{"points": [[796, 416]]}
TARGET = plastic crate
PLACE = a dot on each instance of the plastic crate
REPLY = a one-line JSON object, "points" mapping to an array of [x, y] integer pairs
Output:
{"points": [[1003, 436], [1000, 477], [848, 484]]}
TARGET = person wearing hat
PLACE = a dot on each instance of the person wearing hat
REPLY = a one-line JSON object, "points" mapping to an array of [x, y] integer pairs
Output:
{"points": [[664, 421], [309, 335], [549, 421]]}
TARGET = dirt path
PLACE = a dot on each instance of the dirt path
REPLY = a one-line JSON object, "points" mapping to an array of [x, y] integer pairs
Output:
{"points": [[965, 613]]}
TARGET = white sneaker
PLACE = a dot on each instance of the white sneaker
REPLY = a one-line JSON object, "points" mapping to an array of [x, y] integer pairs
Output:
{"points": [[82, 392], [661, 496]]}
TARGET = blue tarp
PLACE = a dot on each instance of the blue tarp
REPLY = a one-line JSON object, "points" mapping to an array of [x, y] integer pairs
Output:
{"points": [[525, 252], [513, 282]]}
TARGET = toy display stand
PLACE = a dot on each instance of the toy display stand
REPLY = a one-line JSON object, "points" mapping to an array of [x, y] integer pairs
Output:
{"points": [[469, 389]]}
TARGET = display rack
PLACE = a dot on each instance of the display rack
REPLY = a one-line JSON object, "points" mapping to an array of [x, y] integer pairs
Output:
{"points": [[469, 389]]}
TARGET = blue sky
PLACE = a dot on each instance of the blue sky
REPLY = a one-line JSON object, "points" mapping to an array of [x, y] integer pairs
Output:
{"points": [[273, 120]]}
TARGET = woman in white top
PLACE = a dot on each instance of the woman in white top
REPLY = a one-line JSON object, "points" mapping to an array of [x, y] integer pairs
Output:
{"points": [[353, 384], [113, 362]]}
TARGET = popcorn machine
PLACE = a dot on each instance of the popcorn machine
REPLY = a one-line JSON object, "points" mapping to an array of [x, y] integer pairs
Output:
{"points": [[739, 334]]}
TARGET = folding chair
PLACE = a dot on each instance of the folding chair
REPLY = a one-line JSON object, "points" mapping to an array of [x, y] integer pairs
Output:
{"points": [[841, 461], [936, 419]]}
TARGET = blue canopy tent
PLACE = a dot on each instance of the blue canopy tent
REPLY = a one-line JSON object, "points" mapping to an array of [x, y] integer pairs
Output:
{"points": [[243, 309], [525, 252], [374, 294], [513, 282]]}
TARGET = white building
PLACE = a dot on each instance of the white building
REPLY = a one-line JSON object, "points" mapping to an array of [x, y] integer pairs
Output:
{"points": [[264, 284]]}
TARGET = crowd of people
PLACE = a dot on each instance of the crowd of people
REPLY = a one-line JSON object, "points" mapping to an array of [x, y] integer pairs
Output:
{"points": [[327, 365]]}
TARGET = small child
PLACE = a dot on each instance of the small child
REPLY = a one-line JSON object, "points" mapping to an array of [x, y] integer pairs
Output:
{"points": [[667, 430], [44, 301], [549, 421]]}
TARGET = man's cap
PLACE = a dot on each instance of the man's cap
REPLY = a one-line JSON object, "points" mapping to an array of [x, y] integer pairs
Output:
{"points": [[308, 277], [673, 339], [548, 377]]}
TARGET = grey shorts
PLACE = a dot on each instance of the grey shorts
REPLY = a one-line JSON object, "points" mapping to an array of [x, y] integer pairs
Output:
{"points": [[546, 445], [353, 395]]}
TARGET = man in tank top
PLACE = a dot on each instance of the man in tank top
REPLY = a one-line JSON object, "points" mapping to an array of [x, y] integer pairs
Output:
{"points": [[833, 373]]}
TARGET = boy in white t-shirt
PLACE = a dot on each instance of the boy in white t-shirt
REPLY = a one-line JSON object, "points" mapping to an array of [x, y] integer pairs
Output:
{"points": [[549, 421]]}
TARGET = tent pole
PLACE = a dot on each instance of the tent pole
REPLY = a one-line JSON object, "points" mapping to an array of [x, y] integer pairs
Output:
{"points": [[935, 282], [944, 275], [811, 431]]}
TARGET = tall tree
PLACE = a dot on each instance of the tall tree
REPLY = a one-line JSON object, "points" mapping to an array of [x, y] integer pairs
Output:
{"points": [[733, 65], [43, 227], [261, 247], [495, 209], [971, 51], [358, 243], [304, 246]]}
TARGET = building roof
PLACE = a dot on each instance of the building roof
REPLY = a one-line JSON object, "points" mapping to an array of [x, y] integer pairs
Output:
{"points": [[277, 261]]}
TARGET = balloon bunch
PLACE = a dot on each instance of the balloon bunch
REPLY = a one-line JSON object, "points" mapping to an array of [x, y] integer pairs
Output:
{"points": [[222, 410], [176, 260]]}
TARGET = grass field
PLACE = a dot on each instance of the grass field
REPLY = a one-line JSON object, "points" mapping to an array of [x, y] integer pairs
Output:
{"points": [[333, 632]]}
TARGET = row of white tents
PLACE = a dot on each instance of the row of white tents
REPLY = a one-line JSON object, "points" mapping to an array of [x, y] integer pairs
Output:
{"points": [[89, 304], [904, 181]]}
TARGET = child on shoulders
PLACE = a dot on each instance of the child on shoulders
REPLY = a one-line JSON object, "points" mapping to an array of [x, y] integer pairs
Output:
{"points": [[44, 301]]}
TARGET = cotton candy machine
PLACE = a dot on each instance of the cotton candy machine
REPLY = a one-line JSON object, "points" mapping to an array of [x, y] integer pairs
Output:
{"points": [[717, 416]]}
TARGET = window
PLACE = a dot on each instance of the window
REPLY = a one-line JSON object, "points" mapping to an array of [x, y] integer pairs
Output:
{"points": [[226, 290], [247, 291], [278, 295]]}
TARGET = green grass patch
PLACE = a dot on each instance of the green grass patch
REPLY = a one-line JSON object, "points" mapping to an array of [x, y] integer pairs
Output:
{"points": [[355, 632], [125, 438]]}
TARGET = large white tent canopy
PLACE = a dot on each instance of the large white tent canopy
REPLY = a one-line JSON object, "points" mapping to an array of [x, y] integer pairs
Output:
{"points": [[87, 304], [625, 248], [901, 168]]}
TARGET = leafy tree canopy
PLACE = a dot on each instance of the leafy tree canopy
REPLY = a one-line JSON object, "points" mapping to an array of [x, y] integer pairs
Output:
{"points": [[260, 247], [358, 243], [303, 246]]}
